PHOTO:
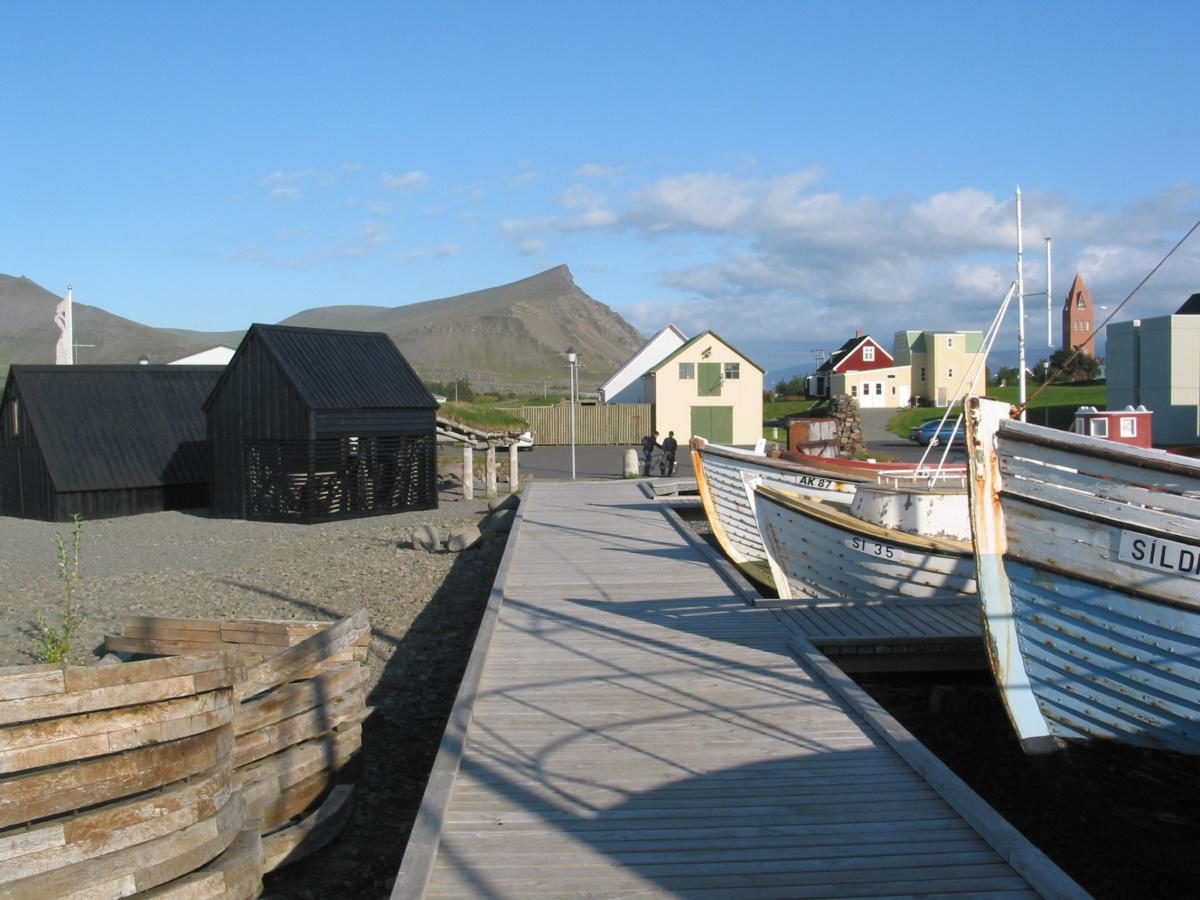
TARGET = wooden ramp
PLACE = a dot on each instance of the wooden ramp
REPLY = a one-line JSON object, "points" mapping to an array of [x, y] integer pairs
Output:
{"points": [[628, 726], [892, 637]]}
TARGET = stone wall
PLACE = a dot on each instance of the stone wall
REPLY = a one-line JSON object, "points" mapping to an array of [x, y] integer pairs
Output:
{"points": [[844, 409]]}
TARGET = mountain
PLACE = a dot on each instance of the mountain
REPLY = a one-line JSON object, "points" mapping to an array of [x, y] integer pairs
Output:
{"points": [[514, 335], [28, 334], [509, 337]]}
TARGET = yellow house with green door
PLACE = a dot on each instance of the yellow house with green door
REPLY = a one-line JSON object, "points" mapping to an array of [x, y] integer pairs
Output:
{"points": [[707, 388]]}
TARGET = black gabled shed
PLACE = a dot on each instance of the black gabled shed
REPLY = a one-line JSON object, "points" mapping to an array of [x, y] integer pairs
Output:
{"points": [[309, 424], [103, 441]]}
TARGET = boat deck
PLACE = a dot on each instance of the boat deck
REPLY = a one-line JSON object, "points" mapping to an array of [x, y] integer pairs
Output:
{"points": [[629, 726]]}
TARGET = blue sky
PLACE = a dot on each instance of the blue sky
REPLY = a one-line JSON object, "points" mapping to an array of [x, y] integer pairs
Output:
{"points": [[781, 172]]}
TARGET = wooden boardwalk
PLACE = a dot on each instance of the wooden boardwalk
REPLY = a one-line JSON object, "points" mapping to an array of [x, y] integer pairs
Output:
{"points": [[628, 726], [874, 636]]}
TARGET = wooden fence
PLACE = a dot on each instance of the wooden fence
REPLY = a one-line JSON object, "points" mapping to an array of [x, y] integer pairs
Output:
{"points": [[192, 775], [616, 423]]}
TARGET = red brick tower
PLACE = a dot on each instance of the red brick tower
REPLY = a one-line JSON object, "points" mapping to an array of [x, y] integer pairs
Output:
{"points": [[1078, 316]]}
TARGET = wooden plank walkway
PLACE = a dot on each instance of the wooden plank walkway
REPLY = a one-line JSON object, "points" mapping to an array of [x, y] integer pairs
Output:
{"points": [[636, 729], [876, 636]]}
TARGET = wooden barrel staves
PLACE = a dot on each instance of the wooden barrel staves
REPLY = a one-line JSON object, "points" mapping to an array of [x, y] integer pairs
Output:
{"points": [[117, 778], [301, 702], [188, 775]]}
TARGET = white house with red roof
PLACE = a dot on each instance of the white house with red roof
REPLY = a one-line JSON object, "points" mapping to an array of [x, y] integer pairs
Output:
{"points": [[864, 369]]}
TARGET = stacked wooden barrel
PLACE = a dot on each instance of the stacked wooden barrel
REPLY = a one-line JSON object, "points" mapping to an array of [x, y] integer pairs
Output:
{"points": [[190, 774]]}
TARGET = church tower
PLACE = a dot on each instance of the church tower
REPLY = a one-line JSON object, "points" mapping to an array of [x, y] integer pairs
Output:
{"points": [[1078, 316]]}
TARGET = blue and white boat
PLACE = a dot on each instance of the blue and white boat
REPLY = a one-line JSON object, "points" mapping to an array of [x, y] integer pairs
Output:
{"points": [[1088, 568]]}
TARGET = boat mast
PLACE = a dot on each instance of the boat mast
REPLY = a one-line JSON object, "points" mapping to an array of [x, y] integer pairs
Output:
{"points": [[1049, 312], [1020, 312]]}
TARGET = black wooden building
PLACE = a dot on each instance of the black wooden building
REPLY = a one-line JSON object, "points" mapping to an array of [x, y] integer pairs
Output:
{"points": [[103, 441], [309, 424]]}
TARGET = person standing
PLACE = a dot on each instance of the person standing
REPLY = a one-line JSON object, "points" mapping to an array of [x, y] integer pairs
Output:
{"points": [[669, 446], [649, 442]]}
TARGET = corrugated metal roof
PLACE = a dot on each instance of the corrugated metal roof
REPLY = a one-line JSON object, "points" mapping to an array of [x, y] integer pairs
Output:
{"points": [[333, 369], [116, 427]]}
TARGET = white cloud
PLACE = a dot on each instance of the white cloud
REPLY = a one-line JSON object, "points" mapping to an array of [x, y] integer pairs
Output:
{"points": [[578, 196], [520, 180], [412, 179], [592, 219], [282, 185], [596, 170], [441, 251], [530, 247]]}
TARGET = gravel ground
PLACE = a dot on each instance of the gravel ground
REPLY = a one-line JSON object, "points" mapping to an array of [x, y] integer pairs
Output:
{"points": [[424, 611]]}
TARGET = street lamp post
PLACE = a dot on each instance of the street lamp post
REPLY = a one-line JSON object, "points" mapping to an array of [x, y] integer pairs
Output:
{"points": [[572, 365]]}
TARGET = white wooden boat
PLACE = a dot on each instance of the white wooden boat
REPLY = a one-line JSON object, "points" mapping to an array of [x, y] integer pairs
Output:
{"points": [[726, 477], [1088, 556], [871, 551]]}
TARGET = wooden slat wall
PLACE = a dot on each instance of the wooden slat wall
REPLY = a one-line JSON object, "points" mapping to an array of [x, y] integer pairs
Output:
{"points": [[617, 423]]}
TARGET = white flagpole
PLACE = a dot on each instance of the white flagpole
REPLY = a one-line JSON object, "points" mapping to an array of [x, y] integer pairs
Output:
{"points": [[64, 350], [1020, 311]]}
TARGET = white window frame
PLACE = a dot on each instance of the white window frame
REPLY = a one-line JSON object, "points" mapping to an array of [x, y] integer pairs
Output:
{"points": [[687, 371], [1128, 426], [1098, 427], [868, 353]]}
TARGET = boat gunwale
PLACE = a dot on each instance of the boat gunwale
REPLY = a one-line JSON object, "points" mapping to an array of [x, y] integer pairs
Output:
{"points": [[847, 522]]}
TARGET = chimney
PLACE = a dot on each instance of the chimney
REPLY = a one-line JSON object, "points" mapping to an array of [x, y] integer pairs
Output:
{"points": [[858, 332]]}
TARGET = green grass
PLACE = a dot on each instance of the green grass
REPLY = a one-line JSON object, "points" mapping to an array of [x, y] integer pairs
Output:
{"points": [[481, 416], [781, 408], [1054, 407], [551, 400]]}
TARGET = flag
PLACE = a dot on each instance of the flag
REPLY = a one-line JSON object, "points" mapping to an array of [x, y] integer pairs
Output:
{"points": [[63, 355]]}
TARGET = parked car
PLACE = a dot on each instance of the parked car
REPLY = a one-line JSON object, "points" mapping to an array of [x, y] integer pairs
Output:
{"points": [[937, 432], [524, 440]]}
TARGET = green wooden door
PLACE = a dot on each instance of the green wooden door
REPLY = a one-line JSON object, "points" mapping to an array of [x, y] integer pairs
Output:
{"points": [[714, 423], [709, 382]]}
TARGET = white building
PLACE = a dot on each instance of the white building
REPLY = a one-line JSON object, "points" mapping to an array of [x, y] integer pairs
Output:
{"points": [[1156, 363], [626, 385], [215, 356]]}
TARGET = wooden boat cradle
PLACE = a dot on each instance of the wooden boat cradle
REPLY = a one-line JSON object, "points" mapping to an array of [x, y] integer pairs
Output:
{"points": [[186, 775]]}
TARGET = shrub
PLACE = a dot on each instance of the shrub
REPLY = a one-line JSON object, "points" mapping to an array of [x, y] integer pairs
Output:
{"points": [[54, 644]]}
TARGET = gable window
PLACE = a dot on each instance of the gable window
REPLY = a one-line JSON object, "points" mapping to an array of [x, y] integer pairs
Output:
{"points": [[868, 354], [16, 416], [1079, 304], [733, 371], [687, 371], [1128, 426]]}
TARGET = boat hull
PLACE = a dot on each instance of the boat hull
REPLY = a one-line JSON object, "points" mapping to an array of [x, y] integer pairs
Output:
{"points": [[725, 481], [820, 554], [1089, 574]]}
